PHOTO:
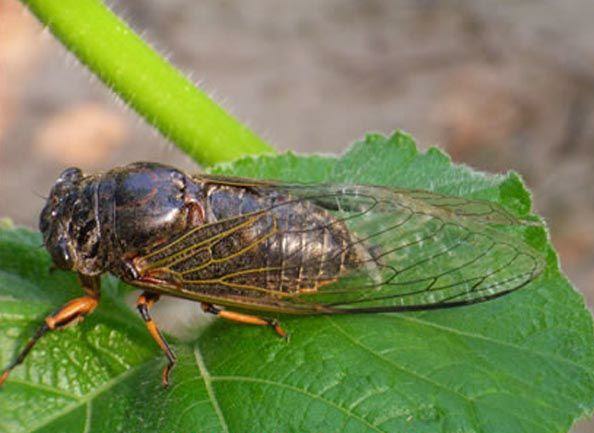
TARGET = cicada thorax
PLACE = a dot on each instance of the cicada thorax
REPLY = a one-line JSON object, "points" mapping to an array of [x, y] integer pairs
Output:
{"points": [[255, 241], [143, 206]]}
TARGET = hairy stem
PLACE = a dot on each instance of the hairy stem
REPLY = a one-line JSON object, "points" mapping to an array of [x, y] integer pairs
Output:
{"points": [[146, 81]]}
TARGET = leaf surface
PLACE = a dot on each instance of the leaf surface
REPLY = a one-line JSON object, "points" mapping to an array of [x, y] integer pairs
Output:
{"points": [[521, 363]]}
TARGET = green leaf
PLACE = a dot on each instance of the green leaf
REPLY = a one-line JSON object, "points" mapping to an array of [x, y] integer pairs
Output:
{"points": [[521, 363]]}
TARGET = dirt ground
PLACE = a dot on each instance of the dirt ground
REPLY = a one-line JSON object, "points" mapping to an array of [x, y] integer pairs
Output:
{"points": [[499, 85]]}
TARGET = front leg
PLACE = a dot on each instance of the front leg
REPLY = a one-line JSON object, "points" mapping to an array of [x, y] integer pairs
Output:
{"points": [[144, 304], [70, 314]]}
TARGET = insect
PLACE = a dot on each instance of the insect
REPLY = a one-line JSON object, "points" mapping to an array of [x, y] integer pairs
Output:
{"points": [[239, 245]]}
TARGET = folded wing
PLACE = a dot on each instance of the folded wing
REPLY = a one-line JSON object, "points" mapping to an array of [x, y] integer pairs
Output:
{"points": [[406, 250]]}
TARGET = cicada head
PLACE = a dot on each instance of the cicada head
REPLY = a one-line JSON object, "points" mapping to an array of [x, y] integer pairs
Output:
{"points": [[69, 225]]}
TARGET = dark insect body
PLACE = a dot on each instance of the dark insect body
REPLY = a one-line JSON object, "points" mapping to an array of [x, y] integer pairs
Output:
{"points": [[275, 247]]}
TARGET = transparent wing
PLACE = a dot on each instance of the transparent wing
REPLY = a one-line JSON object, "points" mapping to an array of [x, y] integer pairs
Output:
{"points": [[423, 250]]}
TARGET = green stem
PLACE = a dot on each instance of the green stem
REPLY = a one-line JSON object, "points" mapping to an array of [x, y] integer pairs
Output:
{"points": [[146, 81]]}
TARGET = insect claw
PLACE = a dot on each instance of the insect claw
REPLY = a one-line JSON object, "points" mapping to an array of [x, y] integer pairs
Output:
{"points": [[4, 376], [166, 371], [275, 324], [165, 377]]}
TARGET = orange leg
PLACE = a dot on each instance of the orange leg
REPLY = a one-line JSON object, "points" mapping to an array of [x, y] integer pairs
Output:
{"points": [[244, 318], [70, 314], [144, 303]]}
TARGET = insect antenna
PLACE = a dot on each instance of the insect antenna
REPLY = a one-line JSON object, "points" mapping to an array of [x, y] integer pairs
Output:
{"points": [[43, 197]]}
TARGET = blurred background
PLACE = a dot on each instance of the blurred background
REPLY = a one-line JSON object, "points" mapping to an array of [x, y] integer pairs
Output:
{"points": [[500, 85]]}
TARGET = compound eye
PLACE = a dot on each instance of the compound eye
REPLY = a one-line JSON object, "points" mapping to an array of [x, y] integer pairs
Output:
{"points": [[60, 254], [71, 174]]}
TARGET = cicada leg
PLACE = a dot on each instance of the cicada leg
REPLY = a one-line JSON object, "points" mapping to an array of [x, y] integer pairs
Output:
{"points": [[144, 303], [70, 314], [244, 318]]}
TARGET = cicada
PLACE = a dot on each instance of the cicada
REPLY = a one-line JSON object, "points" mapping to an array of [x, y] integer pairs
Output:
{"points": [[248, 249]]}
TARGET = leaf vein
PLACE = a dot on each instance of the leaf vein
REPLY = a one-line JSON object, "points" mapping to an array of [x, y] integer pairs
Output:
{"points": [[492, 340], [471, 402], [302, 391], [90, 396], [207, 378]]}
